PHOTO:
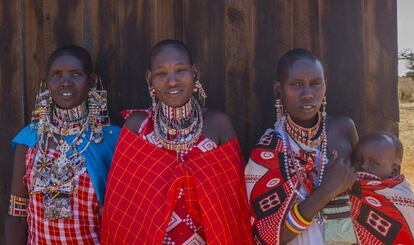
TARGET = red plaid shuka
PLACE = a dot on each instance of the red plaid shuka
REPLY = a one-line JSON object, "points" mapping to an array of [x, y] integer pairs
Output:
{"points": [[144, 183], [383, 210], [82, 228]]}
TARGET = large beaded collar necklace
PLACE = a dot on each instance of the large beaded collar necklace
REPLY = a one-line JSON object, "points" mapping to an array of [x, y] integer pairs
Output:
{"points": [[287, 129], [307, 136], [57, 169], [178, 128]]}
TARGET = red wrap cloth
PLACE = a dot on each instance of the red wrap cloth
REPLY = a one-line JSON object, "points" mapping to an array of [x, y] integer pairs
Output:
{"points": [[383, 211], [144, 182]]}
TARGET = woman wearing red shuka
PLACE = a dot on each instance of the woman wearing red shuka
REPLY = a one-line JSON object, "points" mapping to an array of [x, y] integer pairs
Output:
{"points": [[177, 174]]}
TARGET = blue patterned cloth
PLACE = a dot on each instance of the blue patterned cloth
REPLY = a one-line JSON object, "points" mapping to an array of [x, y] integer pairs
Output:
{"points": [[98, 157]]}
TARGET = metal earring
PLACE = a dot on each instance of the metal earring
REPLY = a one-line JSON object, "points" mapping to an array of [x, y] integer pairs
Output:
{"points": [[324, 103], [152, 95], [98, 109], [202, 96], [279, 109], [43, 106]]}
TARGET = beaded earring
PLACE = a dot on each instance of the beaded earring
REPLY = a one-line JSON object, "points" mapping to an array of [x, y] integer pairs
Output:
{"points": [[151, 91], [202, 96], [279, 109], [324, 106], [98, 109], [43, 107]]}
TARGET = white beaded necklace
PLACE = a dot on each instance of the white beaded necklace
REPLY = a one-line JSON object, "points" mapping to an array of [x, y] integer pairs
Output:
{"points": [[287, 151]]}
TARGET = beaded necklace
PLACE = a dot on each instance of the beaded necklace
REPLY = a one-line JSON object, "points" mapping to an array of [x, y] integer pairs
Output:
{"points": [[178, 128], [56, 171], [307, 136], [288, 153]]}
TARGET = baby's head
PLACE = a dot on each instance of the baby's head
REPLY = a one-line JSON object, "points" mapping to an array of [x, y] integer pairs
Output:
{"points": [[380, 154]]}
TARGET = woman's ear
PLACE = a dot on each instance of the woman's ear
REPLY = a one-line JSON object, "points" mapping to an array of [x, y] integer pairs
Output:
{"points": [[148, 77], [93, 80], [196, 71], [396, 169], [277, 90]]}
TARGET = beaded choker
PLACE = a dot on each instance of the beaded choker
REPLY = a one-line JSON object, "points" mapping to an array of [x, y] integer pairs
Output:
{"points": [[69, 121], [308, 136], [289, 160], [178, 128], [177, 114]]}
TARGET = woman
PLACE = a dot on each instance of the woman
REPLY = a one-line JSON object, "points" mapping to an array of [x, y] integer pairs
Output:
{"points": [[177, 173], [288, 178], [62, 158]]}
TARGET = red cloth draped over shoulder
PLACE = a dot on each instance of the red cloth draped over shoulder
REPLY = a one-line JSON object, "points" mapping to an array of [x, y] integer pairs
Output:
{"points": [[383, 211], [144, 182]]}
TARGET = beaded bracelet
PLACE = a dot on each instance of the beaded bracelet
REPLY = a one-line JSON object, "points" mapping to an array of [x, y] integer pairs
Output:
{"points": [[18, 206], [295, 221]]}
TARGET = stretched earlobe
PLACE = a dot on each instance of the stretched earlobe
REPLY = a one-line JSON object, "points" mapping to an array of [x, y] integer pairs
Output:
{"points": [[148, 77]]}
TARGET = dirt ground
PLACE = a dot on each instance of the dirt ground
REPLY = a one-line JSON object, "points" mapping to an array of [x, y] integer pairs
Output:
{"points": [[407, 139], [406, 94]]}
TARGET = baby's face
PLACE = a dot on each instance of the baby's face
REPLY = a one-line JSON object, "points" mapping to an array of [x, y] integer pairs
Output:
{"points": [[376, 157]]}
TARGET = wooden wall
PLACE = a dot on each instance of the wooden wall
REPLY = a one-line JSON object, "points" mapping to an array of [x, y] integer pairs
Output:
{"points": [[236, 43]]}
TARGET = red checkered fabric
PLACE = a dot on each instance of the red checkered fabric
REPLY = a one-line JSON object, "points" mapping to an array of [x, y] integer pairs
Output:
{"points": [[144, 183], [82, 228], [183, 228]]}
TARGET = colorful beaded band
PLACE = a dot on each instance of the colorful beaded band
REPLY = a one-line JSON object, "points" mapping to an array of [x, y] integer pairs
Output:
{"points": [[295, 221], [18, 206]]}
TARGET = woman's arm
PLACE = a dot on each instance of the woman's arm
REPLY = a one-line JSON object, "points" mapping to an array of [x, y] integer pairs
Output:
{"points": [[16, 227], [338, 178]]}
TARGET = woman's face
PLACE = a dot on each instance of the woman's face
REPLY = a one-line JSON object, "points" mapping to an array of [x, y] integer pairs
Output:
{"points": [[303, 91], [172, 76], [67, 81]]}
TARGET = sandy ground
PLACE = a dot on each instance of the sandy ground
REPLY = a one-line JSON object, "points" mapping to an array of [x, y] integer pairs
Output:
{"points": [[407, 139]]}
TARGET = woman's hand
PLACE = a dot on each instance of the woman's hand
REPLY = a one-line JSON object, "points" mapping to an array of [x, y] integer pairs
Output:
{"points": [[339, 176]]}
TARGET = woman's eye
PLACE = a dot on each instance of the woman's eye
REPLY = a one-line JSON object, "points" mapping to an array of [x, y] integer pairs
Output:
{"points": [[295, 84], [55, 75], [160, 73], [180, 68], [372, 163]]}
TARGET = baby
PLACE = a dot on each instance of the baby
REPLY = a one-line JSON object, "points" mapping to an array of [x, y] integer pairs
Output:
{"points": [[382, 200], [379, 154]]}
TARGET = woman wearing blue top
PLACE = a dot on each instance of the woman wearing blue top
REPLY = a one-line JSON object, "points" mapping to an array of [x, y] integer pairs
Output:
{"points": [[63, 157]]}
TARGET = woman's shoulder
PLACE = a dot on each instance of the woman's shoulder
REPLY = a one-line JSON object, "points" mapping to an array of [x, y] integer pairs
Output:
{"points": [[342, 127], [219, 124], [216, 117], [341, 122], [135, 119], [26, 136]]}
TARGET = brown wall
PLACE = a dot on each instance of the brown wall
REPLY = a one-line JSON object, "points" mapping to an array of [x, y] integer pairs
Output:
{"points": [[236, 43]]}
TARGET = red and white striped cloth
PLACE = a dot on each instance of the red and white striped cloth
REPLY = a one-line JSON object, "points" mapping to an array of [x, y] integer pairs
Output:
{"points": [[82, 228]]}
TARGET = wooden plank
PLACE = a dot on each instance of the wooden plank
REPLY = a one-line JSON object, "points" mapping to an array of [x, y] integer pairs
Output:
{"points": [[166, 19], [134, 46], [204, 33], [306, 25], [239, 73], [102, 40], [63, 22], [342, 51], [381, 51], [273, 37], [35, 56], [12, 108]]}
